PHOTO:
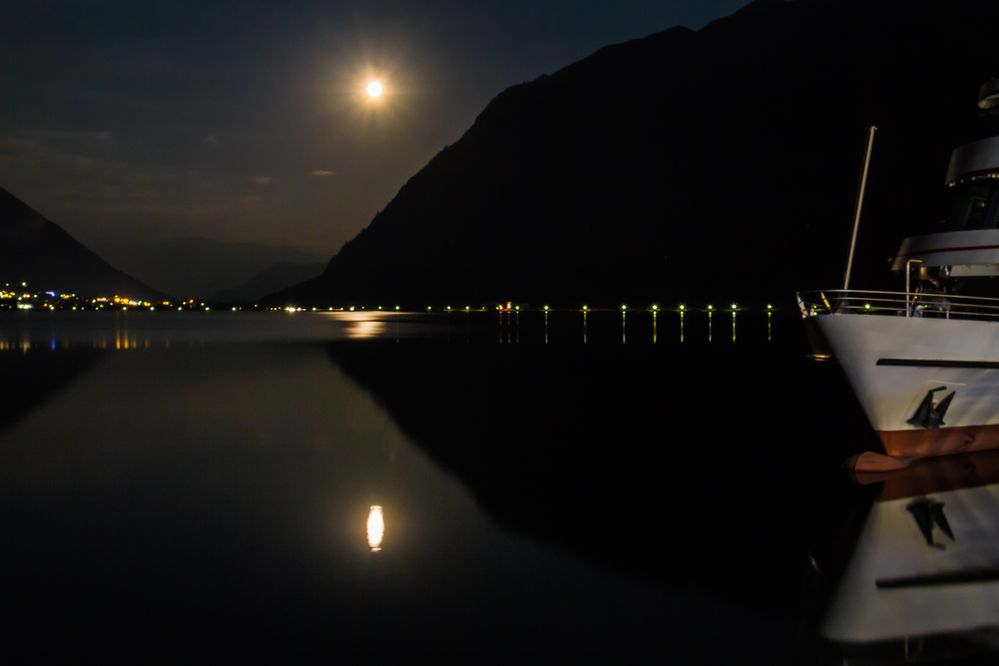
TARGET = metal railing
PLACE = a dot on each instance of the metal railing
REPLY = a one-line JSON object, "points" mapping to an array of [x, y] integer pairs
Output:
{"points": [[897, 303]]}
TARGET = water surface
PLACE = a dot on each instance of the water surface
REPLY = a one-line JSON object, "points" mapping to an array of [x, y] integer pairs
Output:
{"points": [[202, 486]]}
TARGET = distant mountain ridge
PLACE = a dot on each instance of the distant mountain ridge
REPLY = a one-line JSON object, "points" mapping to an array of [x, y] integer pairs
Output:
{"points": [[720, 163], [41, 253], [202, 267], [278, 276]]}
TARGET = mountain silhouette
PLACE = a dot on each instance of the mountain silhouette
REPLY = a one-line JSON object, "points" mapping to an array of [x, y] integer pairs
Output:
{"points": [[721, 163], [204, 267], [274, 277], [41, 253]]}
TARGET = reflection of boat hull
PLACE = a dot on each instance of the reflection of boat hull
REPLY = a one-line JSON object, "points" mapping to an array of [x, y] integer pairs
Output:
{"points": [[927, 561], [940, 397]]}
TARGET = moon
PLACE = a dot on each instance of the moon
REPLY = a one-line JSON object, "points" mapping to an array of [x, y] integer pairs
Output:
{"points": [[375, 89]]}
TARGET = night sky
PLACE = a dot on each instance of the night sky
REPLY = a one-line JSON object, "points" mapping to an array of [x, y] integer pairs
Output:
{"points": [[246, 121]]}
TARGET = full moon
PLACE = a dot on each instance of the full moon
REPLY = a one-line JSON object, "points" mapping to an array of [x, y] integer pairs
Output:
{"points": [[375, 89]]}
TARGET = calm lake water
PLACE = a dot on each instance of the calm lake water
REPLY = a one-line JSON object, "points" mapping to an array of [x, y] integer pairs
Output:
{"points": [[355, 487]]}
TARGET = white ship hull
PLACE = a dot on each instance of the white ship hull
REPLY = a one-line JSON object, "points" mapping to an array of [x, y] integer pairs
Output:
{"points": [[894, 363], [924, 363]]}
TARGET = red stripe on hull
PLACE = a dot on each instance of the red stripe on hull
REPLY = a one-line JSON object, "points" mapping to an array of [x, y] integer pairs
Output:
{"points": [[939, 441]]}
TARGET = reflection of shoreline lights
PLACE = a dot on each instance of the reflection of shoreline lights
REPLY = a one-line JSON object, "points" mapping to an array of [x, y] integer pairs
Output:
{"points": [[376, 528]]}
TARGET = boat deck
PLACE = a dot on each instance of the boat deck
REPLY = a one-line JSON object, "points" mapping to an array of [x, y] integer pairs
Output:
{"points": [[897, 303]]}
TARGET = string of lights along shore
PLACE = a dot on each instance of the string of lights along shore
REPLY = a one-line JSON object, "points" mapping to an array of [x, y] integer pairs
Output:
{"points": [[540, 322]]}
